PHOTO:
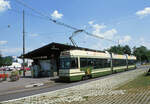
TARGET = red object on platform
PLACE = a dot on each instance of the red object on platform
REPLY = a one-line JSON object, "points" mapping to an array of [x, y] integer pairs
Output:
{"points": [[26, 68], [0, 75], [3, 75]]}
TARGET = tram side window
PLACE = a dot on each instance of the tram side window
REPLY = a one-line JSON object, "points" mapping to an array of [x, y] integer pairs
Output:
{"points": [[131, 62], [90, 62], [74, 63], [94, 62], [83, 62], [106, 63], [86, 62], [97, 63], [114, 62], [101, 63], [119, 62], [68, 63], [122, 62]]}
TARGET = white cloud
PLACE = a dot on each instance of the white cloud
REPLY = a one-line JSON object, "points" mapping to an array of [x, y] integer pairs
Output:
{"points": [[56, 15], [4, 5], [110, 33], [97, 30], [146, 44], [34, 35], [143, 42], [125, 39], [11, 51], [3, 42], [143, 13], [101, 45], [97, 46], [90, 22], [101, 31]]}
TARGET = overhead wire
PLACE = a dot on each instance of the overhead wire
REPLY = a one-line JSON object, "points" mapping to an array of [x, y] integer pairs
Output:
{"points": [[42, 14], [58, 22], [28, 14], [41, 34]]}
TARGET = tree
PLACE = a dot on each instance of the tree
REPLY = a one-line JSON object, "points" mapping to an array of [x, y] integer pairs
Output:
{"points": [[142, 54], [116, 49], [1, 60], [7, 61], [126, 50], [120, 49], [148, 55]]}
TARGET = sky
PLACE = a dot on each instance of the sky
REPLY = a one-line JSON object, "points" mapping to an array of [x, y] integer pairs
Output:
{"points": [[126, 22]]}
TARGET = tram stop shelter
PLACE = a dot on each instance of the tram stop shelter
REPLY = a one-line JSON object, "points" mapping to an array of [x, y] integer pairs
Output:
{"points": [[47, 57]]}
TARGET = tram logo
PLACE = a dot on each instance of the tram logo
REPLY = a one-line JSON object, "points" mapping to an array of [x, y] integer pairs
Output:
{"points": [[88, 71]]}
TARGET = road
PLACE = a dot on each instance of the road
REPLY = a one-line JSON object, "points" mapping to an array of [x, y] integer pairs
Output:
{"points": [[60, 87]]}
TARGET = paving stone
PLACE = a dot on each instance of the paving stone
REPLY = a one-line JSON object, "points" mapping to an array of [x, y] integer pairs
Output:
{"points": [[101, 91]]}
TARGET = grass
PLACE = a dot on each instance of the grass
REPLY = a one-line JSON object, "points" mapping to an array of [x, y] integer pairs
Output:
{"points": [[142, 81]]}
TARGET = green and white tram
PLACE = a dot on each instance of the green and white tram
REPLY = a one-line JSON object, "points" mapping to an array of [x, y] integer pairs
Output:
{"points": [[77, 65]]}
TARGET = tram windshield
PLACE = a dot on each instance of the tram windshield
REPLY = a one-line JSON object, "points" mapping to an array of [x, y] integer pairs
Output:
{"points": [[68, 63]]}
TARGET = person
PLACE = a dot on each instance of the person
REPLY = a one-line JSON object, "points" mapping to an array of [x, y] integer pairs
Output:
{"points": [[14, 75]]}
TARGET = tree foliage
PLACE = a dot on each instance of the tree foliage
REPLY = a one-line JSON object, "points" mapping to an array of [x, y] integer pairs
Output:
{"points": [[142, 54], [127, 50], [120, 49], [1, 60], [5, 61]]}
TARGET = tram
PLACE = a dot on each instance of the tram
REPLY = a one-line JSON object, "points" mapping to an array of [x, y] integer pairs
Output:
{"points": [[76, 65]]}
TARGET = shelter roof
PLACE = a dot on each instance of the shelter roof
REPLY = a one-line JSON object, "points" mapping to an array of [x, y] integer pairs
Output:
{"points": [[53, 48]]}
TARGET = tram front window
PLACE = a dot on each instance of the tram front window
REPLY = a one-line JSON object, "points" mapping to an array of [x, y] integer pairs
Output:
{"points": [[68, 63]]}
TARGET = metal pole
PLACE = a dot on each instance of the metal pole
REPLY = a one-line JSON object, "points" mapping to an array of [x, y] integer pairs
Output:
{"points": [[118, 42], [23, 45], [111, 63]]}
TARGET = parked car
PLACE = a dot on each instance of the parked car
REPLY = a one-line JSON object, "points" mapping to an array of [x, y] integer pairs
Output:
{"points": [[2, 69], [9, 68]]}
